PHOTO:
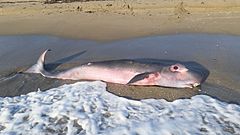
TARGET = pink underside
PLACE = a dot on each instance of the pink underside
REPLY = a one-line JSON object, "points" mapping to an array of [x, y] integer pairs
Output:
{"points": [[99, 73]]}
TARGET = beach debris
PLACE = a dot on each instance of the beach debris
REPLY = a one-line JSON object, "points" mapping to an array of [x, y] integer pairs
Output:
{"points": [[79, 8], [90, 11], [109, 5], [180, 10]]}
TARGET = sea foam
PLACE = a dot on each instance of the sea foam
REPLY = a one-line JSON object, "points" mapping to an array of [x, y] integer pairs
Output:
{"points": [[87, 108]]}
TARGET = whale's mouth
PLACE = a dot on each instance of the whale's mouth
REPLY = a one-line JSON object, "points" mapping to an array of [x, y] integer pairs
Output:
{"points": [[195, 84], [192, 85]]}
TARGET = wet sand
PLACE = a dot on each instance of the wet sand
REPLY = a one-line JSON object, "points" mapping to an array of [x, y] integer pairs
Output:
{"points": [[217, 53], [114, 20]]}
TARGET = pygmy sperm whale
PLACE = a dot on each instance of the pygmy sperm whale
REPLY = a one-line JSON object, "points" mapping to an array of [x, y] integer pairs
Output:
{"points": [[129, 72]]}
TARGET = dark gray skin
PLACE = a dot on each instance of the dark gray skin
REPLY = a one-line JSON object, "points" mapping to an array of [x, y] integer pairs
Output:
{"points": [[126, 72]]}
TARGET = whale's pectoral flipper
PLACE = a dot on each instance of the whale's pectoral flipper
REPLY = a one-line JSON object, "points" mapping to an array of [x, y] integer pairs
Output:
{"points": [[39, 66], [138, 77], [147, 78]]}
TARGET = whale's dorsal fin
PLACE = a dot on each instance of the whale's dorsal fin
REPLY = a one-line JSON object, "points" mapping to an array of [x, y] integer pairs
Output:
{"points": [[39, 66]]}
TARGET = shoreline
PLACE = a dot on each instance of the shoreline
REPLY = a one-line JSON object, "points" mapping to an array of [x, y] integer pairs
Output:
{"points": [[211, 51], [116, 20], [106, 21]]}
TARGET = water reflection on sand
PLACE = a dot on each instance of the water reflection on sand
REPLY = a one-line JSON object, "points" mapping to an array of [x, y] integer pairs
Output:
{"points": [[218, 53]]}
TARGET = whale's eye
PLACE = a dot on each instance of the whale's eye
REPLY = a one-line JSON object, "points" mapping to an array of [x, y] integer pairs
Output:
{"points": [[175, 67], [178, 68]]}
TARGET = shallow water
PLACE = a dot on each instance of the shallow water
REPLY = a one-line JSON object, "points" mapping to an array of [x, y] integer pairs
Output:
{"points": [[218, 53]]}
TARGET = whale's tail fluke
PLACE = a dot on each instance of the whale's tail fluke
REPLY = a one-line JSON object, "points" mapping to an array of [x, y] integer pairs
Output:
{"points": [[39, 66]]}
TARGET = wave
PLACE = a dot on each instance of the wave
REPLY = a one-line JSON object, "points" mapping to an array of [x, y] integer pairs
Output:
{"points": [[87, 108]]}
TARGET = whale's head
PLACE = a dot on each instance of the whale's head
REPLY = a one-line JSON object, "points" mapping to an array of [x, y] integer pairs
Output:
{"points": [[176, 75]]}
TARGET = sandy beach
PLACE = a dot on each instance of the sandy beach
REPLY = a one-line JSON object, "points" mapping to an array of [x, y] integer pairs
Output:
{"points": [[203, 35], [119, 19], [102, 22]]}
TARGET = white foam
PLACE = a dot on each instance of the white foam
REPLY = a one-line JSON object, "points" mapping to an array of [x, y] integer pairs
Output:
{"points": [[87, 108]]}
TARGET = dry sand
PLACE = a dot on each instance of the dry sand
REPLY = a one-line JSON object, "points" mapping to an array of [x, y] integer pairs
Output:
{"points": [[119, 19]]}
